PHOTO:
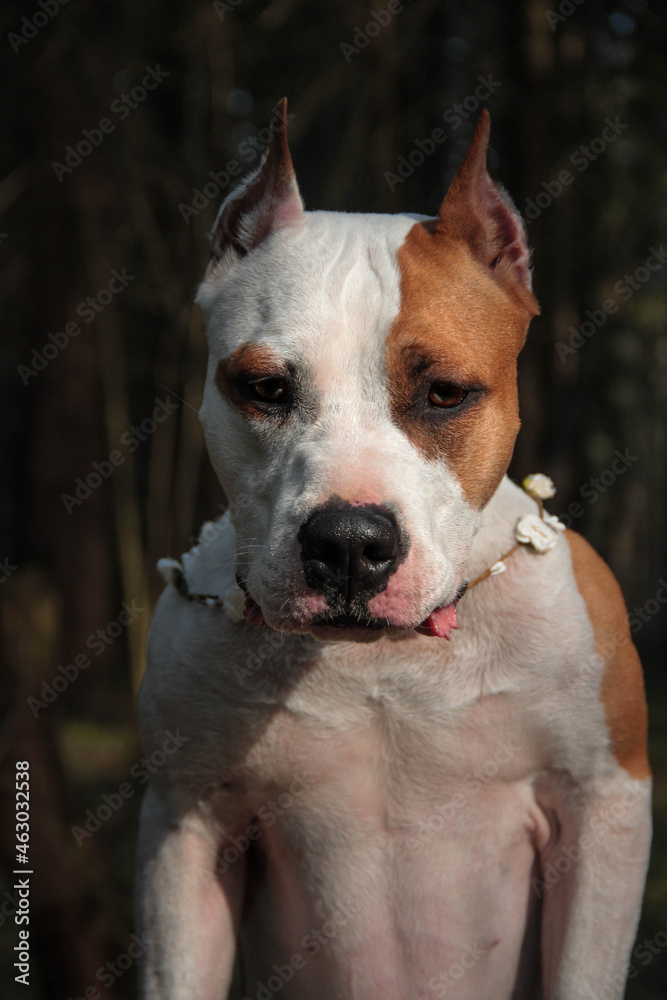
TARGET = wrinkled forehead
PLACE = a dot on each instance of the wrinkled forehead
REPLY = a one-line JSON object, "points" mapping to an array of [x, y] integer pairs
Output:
{"points": [[349, 291], [332, 285]]}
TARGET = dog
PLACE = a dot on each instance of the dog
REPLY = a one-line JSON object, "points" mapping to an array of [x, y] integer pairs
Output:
{"points": [[411, 719]]}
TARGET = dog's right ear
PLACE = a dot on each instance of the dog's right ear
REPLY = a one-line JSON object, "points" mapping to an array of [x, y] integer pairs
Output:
{"points": [[480, 212], [267, 200]]}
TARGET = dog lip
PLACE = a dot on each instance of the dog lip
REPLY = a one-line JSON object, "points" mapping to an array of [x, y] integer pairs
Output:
{"points": [[252, 612], [347, 621], [439, 622]]}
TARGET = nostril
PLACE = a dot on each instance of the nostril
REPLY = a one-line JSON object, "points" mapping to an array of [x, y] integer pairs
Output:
{"points": [[377, 553], [327, 552]]}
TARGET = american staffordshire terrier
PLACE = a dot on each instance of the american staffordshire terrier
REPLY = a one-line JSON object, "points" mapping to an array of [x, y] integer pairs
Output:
{"points": [[362, 810]]}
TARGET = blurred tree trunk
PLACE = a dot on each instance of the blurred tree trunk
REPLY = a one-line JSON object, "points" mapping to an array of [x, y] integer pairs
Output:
{"points": [[71, 932]]}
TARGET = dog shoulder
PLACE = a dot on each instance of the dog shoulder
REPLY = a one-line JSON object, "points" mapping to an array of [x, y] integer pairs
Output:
{"points": [[622, 688]]}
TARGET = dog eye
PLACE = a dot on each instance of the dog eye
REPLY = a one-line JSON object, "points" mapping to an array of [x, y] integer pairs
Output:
{"points": [[446, 394], [271, 389]]}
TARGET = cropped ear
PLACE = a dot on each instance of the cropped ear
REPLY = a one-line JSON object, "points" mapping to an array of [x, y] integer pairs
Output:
{"points": [[481, 212], [266, 200]]}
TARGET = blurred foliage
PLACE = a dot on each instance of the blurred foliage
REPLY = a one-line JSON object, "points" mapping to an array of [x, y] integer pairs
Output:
{"points": [[555, 80]]}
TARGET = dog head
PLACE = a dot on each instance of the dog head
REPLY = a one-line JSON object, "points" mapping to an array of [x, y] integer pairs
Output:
{"points": [[360, 405]]}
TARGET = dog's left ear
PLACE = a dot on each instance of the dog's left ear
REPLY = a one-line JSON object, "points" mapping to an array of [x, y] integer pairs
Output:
{"points": [[479, 211], [267, 200]]}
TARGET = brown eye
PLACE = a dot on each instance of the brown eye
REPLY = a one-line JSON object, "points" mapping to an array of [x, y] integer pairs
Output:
{"points": [[446, 394], [270, 390]]}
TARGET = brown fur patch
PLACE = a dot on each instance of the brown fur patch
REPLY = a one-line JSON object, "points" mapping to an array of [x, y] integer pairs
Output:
{"points": [[247, 362], [456, 323], [481, 213], [623, 682]]}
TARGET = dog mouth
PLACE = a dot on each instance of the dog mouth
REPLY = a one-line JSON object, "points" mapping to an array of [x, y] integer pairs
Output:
{"points": [[343, 620], [439, 623]]}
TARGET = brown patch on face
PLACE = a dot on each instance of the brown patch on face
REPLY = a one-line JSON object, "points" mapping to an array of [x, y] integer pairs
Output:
{"points": [[247, 363], [456, 324], [623, 682]]}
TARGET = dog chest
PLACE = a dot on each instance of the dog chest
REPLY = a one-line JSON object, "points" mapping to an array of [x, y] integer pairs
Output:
{"points": [[415, 832]]}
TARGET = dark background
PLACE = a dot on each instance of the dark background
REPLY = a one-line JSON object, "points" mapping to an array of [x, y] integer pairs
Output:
{"points": [[555, 80]]}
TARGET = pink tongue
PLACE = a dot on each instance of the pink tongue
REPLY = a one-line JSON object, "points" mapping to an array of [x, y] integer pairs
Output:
{"points": [[253, 612], [440, 622]]}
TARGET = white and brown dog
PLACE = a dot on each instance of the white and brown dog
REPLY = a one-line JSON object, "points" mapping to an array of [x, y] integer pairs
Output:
{"points": [[360, 811]]}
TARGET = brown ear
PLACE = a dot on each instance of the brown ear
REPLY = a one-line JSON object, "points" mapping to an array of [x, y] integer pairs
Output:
{"points": [[267, 200], [481, 212]]}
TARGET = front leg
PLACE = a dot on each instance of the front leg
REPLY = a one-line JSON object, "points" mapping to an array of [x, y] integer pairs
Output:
{"points": [[591, 887], [594, 870], [188, 906]]}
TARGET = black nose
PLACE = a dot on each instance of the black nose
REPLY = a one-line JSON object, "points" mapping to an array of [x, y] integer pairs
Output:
{"points": [[349, 552]]}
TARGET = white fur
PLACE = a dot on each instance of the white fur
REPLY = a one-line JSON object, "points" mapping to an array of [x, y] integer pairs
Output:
{"points": [[435, 778], [323, 295]]}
